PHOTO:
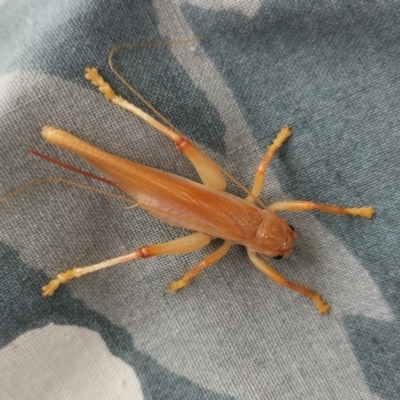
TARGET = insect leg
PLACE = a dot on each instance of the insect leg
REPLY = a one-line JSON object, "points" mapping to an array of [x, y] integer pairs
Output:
{"points": [[182, 245], [208, 169], [266, 269], [298, 205], [284, 133], [196, 270]]}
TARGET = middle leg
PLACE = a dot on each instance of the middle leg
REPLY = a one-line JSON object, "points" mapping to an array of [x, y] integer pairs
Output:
{"points": [[284, 134], [196, 270]]}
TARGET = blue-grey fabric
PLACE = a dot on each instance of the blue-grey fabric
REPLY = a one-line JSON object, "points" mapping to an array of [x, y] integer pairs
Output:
{"points": [[330, 70]]}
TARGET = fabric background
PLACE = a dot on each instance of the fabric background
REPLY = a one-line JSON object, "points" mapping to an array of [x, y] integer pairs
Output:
{"points": [[330, 69]]}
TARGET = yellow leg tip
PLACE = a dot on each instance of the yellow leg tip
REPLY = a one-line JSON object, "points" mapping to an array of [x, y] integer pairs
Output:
{"points": [[322, 307], [62, 277], [286, 132], [366, 212], [283, 134], [177, 285], [50, 288], [92, 75]]}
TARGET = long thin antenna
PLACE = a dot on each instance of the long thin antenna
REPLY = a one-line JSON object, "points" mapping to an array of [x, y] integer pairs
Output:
{"points": [[80, 185], [67, 181], [70, 167]]}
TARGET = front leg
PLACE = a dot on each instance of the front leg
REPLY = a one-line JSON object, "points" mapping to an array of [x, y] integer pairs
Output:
{"points": [[266, 269], [298, 205]]}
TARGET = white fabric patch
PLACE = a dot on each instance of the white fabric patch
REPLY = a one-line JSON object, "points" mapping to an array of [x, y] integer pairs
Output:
{"points": [[64, 362], [248, 8]]}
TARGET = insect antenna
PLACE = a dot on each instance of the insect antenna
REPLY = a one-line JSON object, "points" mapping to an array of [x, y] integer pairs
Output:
{"points": [[67, 181], [70, 167], [158, 113], [131, 88]]}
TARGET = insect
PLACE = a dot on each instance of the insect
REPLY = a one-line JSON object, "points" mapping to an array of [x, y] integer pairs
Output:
{"points": [[204, 208]]}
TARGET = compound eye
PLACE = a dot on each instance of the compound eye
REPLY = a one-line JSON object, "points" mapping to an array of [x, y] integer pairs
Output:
{"points": [[278, 258], [291, 227]]}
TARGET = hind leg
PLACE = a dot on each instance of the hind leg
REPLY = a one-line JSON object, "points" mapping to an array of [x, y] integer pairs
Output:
{"points": [[208, 169], [182, 245]]}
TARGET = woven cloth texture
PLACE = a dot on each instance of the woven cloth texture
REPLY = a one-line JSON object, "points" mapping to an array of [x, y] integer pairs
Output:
{"points": [[330, 70]]}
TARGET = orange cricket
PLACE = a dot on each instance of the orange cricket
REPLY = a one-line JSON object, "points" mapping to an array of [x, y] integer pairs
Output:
{"points": [[204, 208]]}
